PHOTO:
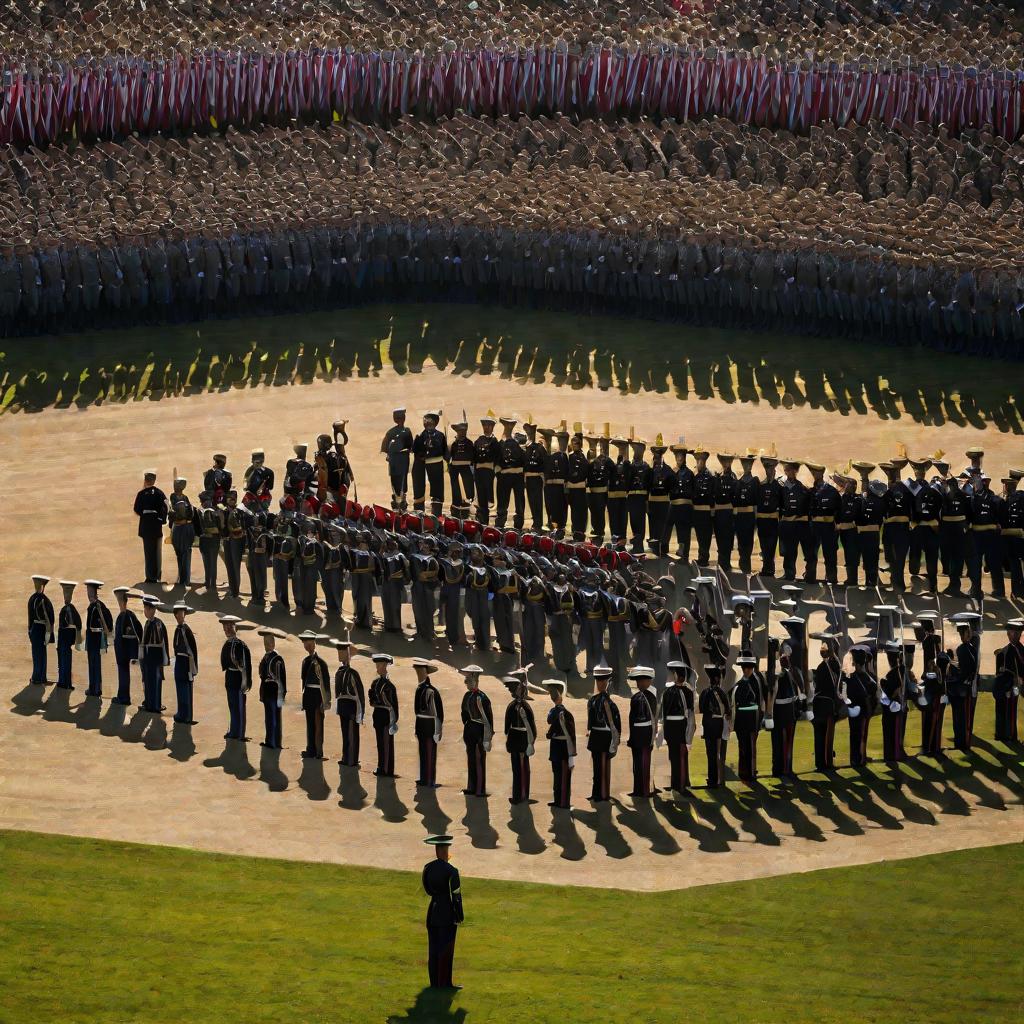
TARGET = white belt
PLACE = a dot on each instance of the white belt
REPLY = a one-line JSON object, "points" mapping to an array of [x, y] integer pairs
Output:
{"points": [[784, 700], [603, 728], [431, 717], [520, 728], [675, 718]]}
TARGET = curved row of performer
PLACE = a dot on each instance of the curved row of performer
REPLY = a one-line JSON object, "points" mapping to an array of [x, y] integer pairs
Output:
{"points": [[850, 686]]}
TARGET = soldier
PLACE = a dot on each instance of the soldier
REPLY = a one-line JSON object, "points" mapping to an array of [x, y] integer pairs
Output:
{"points": [[186, 663], [714, 709], [600, 480], [783, 709], [217, 479], [298, 473], [986, 515], [460, 471], [316, 695], [211, 528], [953, 528], [349, 703], [826, 703], [127, 638], [425, 571], [394, 578], [283, 546], [591, 611], [1008, 681], [556, 473], [562, 750], [793, 518], [745, 500], [485, 458], [870, 517], [823, 508], [154, 655], [604, 728], [69, 636], [441, 883], [862, 702], [536, 457], [704, 484], [236, 664], [182, 517], [894, 694], [724, 513], [962, 678], [273, 677], [680, 515], [429, 452], [151, 508], [533, 597], [306, 568], [429, 711], [576, 479], [1012, 532], [769, 496], [639, 488], [477, 730], [896, 534], [332, 566], [41, 622], [258, 479], [746, 702], [678, 722], [504, 589], [234, 534], [846, 526], [383, 698], [932, 699], [520, 738], [99, 625], [924, 538], [659, 492]]}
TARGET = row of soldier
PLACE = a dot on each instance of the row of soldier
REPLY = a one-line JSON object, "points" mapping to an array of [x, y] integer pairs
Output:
{"points": [[773, 697]]}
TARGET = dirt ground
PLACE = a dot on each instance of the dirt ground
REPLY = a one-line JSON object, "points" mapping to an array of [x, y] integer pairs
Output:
{"points": [[86, 768]]}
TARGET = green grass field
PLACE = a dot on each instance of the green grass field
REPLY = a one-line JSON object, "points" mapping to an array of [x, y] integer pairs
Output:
{"points": [[100, 931]]}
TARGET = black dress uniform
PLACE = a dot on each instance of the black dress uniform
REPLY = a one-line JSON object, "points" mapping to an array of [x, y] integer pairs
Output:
{"points": [[99, 625], [562, 753], [460, 475], [768, 501], [444, 914], [477, 730], [1013, 540], [725, 517], [658, 505], [639, 488], [604, 727], [1006, 689], [870, 517], [986, 514], [643, 724], [962, 691], [600, 480], [932, 700], [556, 472], [823, 508], [894, 713], [397, 446], [383, 698], [273, 690], [429, 711], [746, 496], [785, 714], [618, 498], [536, 457], [677, 716], [69, 634], [511, 485], [680, 502], [899, 509], [576, 478], [485, 459], [827, 698], [794, 529], [316, 696], [151, 508], [703, 513], [714, 710], [236, 664], [429, 451], [186, 667], [953, 533], [862, 693], [520, 737], [927, 518], [351, 701], [846, 530], [746, 699]]}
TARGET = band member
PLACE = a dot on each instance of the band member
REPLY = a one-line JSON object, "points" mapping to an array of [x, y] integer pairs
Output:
{"points": [[794, 529], [704, 483], [211, 529], [298, 473], [678, 722], [962, 679], [394, 578], [870, 518], [69, 635], [477, 730], [186, 663], [350, 703], [986, 515], [258, 479], [932, 699], [273, 688], [577, 473], [182, 518], [826, 703], [639, 488], [41, 622], [768, 501], [155, 656], [823, 507], [724, 514], [217, 479], [953, 528], [151, 508], [363, 570], [924, 537], [562, 750], [520, 738], [658, 498], [383, 698], [846, 526], [713, 706], [429, 451], [604, 728], [397, 449], [460, 471], [643, 723], [316, 695], [127, 638], [425, 570], [510, 464], [893, 697], [556, 472], [536, 456], [600, 481], [444, 915], [784, 708], [680, 504], [236, 664], [99, 625], [452, 578], [429, 711], [485, 459], [862, 700], [1008, 681], [746, 498], [899, 507], [746, 702], [234, 537]]}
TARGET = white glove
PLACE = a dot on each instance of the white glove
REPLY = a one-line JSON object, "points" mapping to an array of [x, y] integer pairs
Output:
{"points": [[769, 723], [894, 707], [943, 699], [923, 701]]}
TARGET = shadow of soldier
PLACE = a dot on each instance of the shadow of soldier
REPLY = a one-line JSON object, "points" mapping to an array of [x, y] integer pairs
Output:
{"points": [[432, 1006]]}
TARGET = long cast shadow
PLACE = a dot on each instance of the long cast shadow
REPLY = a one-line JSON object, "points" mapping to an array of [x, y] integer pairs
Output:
{"points": [[181, 746], [387, 801], [478, 823], [233, 760], [432, 1006], [435, 821], [521, 825], [606, 833], [564, 835]]}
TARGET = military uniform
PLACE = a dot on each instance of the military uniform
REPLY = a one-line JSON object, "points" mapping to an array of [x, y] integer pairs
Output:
{"points": [[99, 625], [485, 459], [460, 474], [769, 499], [785, 712], [316, 698], [429, 451], [350, 704], [639, 488], [151, 508], [704, 485], [600, 481], [444, 914], [425, 571], [618, 495], [556, 473], [186, 668], [899, 507], [677, 717], [397, 447], [234, 539], [429, 711], [986, 514], [746, 700], [383, 698], [746, 496], [536, 458], [562, 753], [658, 502], [870, 517], [236, 664], [477, 730], [927, 514], [604, 728], [827, 698], [680, 506], [154, 657], [69, 636], [273, 689], [793, 524], [283, 547], [724, 514], [894, 694], [862, 699], [713, 706], [1007, 685], [846, 531], [127, 638], [511, 485], [823, 508], [576, 492], [183, 520], [520, 738], [211, 527]]}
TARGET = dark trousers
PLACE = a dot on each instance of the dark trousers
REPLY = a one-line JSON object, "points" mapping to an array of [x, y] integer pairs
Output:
{"points": [[681, 521], [824, 740], [441, 954], [272, 722], [577, 499], [511, 486], [37, 640], [557, 506], [641, 772], [961, 709], [314, 731], [715, 750], [349, 741], [64, 656], [850, 541], [385, 750], [637, 506], [597, 505], [953, 549], [152, 557], [793, 535], [424, 474], [704, 529], [476, 768], [94, 663], [460, 479], [1006, 717], [618, 517], [152, 684], [679, 765], [602, 761], [747, 744], [896, 537], [725, 536], [484, 479], [535, 499], [867, 542], [236, 712], [768, 539], [894, 724], [209, 548], [926, 540], [561, 783], [987, 553], [859, 740], [823, 539], [124, 681], [183, 690], [783, 736], [744, 525], [282, 571], [931, 728], [657, 523], [520, 777], [428, 759], [399, 479]]}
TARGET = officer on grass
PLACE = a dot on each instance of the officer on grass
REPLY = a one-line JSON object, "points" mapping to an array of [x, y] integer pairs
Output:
{"points": [[444, 914]]}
